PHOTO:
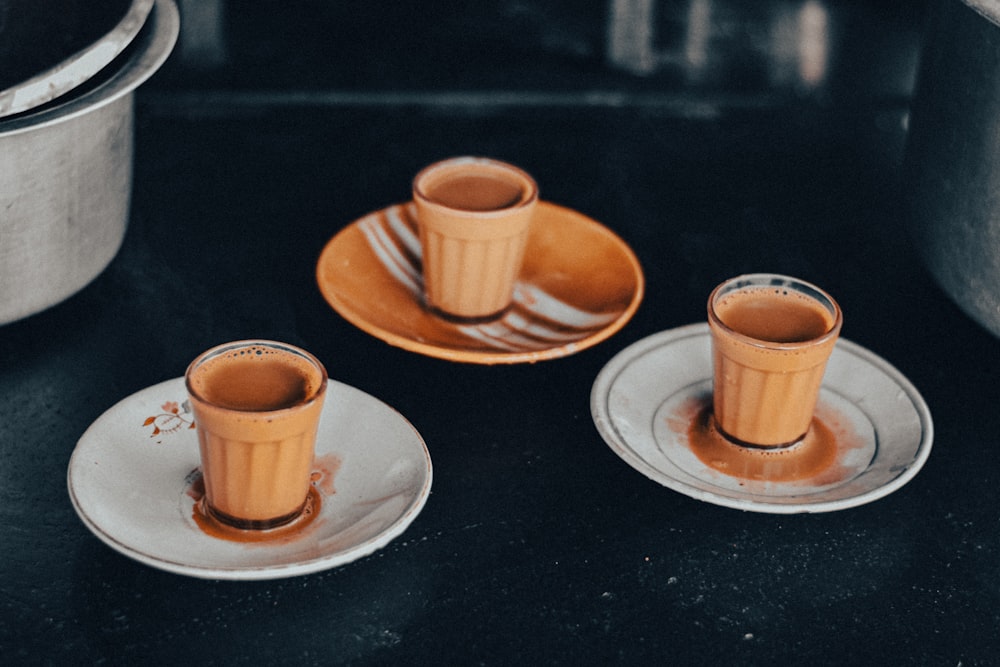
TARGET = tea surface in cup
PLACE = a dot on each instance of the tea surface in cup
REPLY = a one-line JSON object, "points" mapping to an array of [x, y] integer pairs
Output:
{"points": [[255, 379], [474, 218], [476, 192], [774, 315]]}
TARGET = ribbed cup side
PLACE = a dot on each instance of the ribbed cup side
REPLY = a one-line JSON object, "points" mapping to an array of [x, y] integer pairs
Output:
{"points": [[764, 407], [472, 254], [256, 461], [256, 481], [471, 277], [770, 357]]}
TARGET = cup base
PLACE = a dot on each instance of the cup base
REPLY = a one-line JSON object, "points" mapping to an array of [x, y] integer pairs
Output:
{"points": [[780, 447], [803, 459], [462, 319], [251, 524], [210, 524]]}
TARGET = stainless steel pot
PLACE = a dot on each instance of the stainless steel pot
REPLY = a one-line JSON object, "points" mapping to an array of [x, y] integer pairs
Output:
{"points": [[66, 179], [952, 165]]}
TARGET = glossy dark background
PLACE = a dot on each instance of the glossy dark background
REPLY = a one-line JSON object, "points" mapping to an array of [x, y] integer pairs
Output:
{"points": [[732, 137]]}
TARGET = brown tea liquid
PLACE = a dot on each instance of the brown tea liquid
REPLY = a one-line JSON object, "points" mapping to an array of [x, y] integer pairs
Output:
{"points": [[476, 192], [255, 379], [815, 453], [774, 315]]}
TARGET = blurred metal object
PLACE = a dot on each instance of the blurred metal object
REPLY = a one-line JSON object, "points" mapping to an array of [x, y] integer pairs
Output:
{"points": [[203, 41], [785, 43], [630, 35], [66, 179], [952, 163]]}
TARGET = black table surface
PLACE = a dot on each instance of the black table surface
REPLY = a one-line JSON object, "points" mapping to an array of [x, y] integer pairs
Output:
{"points": [[537, 544]]}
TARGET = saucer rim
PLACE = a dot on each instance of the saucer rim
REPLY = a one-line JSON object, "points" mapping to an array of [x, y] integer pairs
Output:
{"points": [[604, 422], [344, 308], [255, 572]]}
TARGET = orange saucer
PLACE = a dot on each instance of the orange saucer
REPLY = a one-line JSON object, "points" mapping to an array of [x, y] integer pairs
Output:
{"points": [[580, 284]]}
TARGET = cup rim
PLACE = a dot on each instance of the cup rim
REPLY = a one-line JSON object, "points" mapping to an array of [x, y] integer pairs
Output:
{"points": [[529, 198], [287, 347], [776, 280]]}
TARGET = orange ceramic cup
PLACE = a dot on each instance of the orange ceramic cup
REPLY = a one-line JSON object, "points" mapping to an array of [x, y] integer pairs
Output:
{"points": [[257, 406], [771, 338], [473, 215]]}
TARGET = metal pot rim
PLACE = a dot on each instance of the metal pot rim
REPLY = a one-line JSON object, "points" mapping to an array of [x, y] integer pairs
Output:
{"points": [[989, 9], [76, 68], [153, 46]]}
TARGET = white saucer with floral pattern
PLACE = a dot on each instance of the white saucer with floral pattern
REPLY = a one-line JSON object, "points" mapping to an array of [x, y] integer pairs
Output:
{"points": [[134, 480]]}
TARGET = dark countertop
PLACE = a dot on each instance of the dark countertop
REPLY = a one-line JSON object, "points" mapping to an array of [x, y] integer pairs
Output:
{"points": [[537, 544]]}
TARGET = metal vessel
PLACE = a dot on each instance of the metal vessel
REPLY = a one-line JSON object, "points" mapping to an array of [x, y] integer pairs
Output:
{"points": [[66, 178], [952, 164]]}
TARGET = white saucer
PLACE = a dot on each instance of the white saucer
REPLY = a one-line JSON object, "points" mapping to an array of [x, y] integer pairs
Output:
{"points": [[637, 400], [132, 474]]}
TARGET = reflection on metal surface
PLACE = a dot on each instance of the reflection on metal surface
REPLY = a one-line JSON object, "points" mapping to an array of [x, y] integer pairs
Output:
{"points": [[531, 52], [202, 40], [697, 35], [813, 42], [785, 43], [952, 163], [630, 36], [800, 44]]}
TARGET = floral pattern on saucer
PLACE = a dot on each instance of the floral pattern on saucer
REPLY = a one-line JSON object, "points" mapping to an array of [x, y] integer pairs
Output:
{"points": [[173, 417]]}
